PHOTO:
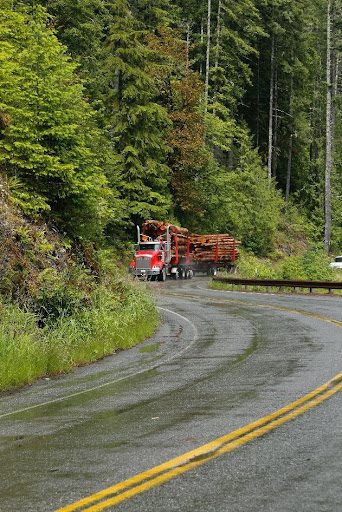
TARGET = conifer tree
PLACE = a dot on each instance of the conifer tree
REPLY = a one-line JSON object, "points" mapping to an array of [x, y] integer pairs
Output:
{"points": [[154, 14], [138, 123], [48, 148]]}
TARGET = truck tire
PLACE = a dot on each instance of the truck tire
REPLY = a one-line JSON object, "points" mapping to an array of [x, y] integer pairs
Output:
{"points": [[175, 275], [212, 271], [182, 273], [162, 275]]}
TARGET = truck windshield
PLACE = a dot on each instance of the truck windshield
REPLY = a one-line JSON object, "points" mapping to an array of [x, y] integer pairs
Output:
{"points": [[338, 259], [149, 247]]}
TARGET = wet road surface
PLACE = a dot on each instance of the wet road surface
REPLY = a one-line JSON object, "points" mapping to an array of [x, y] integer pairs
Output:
{"points": [[220, 361]]}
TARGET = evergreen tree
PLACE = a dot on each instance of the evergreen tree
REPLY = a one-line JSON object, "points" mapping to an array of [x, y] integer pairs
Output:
{"points": [[82, 26], [48, 148], [138, 123], [154, 14]]}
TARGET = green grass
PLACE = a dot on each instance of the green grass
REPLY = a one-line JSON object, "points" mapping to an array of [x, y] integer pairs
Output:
{"points": [[111, 322], [313, 265], [153, 347]]}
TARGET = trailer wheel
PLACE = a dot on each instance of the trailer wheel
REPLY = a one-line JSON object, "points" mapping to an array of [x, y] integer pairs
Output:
{"points": [[175, 275], [182, 273], [190, 274], [212, 271]]}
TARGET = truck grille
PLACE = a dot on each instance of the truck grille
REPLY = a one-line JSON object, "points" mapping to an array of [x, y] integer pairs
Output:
{"points": [[143, 263]]}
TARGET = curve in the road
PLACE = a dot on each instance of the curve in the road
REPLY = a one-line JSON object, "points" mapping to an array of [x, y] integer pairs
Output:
{"points": [[111, 382], [157, 475], [160, 474]]}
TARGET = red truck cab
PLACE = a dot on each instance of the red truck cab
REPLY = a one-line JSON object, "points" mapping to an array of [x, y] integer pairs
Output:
{"points": [[149, 260]]}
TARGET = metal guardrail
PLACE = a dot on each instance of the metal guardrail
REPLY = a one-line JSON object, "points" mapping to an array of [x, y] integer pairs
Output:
{"points": [[281, 283]]}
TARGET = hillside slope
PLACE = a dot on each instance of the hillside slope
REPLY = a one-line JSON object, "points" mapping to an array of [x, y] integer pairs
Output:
{"points": [[59, 307]]}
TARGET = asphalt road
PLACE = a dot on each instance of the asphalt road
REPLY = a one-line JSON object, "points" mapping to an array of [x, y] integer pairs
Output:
{"points": [[220, 361]]}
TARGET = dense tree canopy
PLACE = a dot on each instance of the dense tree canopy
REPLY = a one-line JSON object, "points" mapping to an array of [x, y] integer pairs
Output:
{"points": [[213, 113]]}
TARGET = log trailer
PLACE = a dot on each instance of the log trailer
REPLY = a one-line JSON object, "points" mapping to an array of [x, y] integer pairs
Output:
{"points": [[164, 250]]}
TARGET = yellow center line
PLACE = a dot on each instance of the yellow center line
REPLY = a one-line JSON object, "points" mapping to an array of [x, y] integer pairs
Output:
{"points": [[194, 458]]}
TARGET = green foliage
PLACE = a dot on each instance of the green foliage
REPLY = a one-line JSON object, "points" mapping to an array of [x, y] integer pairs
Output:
{"points": [[292, 268], [138, 123], [21, 351], [312, 265], [315, 264], [110, 322], [294, 231], [61, 294], [48, 146], [245, 204], [250, 266], [103, 123]]}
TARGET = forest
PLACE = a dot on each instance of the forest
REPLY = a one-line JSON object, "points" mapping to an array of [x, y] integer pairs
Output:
{"points": [[216, 115], [223, 116]]}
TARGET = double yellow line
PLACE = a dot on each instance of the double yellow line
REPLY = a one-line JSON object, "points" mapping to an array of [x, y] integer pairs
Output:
{"points": [[159, 474]]}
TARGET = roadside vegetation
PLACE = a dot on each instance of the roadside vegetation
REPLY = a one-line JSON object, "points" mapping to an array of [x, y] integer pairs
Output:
{"points": [[28, 351], [310, 265], [62, 305]]}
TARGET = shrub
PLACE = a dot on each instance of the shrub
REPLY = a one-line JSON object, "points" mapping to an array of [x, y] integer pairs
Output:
{"points": [[249, 266], [312, 265], [112, 320]]}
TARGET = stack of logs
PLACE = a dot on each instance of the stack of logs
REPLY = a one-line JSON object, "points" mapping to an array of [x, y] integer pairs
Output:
{"points": [[156, 229], [221, 247]]}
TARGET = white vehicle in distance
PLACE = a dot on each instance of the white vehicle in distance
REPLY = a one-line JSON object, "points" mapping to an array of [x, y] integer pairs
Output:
{"points": [[337, 263]]}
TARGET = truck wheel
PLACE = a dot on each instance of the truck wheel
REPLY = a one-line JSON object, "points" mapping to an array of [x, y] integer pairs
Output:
{"points": [[175, 275], [212, 271], [162, 275]]}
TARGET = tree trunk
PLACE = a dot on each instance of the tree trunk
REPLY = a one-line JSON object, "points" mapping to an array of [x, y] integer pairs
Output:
{"points": [[202, 38], [270, 116], [207, 67], [187, 45], [337, 71], [258, 106], [217, 50], [329, 136], [275, 129], [218, 33], [289, 159]]}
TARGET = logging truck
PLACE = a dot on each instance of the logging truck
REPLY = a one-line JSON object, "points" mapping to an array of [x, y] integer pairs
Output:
{"points": [[164, 250]]}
